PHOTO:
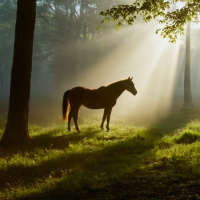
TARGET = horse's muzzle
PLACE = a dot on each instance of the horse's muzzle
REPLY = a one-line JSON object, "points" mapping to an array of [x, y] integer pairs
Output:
{"points": [[134, 93]]}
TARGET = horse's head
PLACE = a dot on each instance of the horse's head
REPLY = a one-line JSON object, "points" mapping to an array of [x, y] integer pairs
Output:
{"points": [[130, 86]]}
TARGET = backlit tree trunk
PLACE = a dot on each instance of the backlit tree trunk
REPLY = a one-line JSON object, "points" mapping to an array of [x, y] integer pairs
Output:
{"points": [[16, 132], [187, 82]]}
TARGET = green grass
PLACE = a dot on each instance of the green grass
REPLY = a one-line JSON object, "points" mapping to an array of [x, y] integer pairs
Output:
{"points": [[160, 161]]}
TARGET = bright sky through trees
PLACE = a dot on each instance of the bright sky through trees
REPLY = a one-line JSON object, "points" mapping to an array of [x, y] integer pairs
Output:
{"points": [[152, 61]]}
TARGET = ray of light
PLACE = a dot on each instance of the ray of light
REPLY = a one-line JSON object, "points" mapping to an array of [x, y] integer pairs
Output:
{"points": [[151, 60]]}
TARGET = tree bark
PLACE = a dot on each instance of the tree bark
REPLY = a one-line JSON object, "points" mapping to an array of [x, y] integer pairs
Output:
{"points": [[16, 132], [188, 104]]}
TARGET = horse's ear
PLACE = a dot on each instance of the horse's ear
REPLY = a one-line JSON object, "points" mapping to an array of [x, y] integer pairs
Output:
{"points": [[130, 78]]}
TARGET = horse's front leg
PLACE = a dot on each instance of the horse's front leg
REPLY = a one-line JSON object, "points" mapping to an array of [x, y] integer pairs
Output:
{"points": [[108, 118], [103, 119]]}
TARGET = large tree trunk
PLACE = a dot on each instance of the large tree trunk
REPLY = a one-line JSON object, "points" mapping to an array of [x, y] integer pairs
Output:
{"points": [[187, 82], [16, 132]]}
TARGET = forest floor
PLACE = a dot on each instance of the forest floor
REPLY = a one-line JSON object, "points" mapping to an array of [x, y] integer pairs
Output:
{"points": [[159, 161]]}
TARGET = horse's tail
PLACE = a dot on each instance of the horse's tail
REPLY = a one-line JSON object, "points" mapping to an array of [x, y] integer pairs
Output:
{"points": [[65, 105]]}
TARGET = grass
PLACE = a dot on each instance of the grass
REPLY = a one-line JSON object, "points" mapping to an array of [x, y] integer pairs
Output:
{"points": [[160, 161]]}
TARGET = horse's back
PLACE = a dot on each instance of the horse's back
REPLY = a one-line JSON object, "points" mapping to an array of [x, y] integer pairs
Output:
{"points": [[77, 91], [91, 98], [98, 98]]}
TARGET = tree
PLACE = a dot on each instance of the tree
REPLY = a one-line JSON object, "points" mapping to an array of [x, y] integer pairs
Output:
{"points": [[187, 83], [16, 131], [173, 20], [7, 18], [64, 26]]}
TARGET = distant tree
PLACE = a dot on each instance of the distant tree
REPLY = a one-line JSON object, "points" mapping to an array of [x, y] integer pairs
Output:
{"points": [[64, 26], [7, 19], [16, 131], [187, 82]]}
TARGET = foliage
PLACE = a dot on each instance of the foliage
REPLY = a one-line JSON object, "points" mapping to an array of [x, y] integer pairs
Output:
{"points": [[140, 162], [173, 20]]}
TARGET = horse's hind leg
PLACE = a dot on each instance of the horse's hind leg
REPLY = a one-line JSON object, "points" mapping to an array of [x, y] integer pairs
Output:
{"points": [[69, 120], [103, 119], [75, 117]]}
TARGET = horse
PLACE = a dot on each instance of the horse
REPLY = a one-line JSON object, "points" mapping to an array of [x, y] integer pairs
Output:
{"points": [[104, 97]]}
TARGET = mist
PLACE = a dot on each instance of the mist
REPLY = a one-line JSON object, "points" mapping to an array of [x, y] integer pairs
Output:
{"points": [[69, 51]]}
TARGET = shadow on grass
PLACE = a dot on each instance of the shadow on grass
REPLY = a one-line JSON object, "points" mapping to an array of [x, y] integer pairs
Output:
{"points": [[93, 170], [112, 172], [177, 121], [50, 140], [65, 161], [43, 144]]}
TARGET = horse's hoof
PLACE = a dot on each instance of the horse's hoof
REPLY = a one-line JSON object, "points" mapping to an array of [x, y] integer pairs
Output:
{"points": [[108, 128], [69, 129]]}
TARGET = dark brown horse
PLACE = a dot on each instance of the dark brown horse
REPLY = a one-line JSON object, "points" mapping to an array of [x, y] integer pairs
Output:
{"points": [[104, 97]]}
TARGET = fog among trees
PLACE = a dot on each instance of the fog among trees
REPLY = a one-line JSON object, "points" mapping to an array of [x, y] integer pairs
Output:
{"points": [[69, 50]]}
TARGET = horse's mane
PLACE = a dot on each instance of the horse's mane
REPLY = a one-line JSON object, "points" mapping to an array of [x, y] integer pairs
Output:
{"points": [[116, 83]]}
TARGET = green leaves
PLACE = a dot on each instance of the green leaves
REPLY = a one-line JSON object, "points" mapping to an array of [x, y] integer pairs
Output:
{"points": [[121, 13], [167, 13]]}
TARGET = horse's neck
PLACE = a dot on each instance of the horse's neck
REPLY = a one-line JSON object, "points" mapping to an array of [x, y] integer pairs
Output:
{"points": [[117, 88]]}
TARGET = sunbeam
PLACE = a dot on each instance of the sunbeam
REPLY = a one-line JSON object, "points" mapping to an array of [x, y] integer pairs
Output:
{"points": [[152, 62]]}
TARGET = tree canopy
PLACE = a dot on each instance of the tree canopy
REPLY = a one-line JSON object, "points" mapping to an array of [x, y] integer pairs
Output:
{"points": [[166, 12]]}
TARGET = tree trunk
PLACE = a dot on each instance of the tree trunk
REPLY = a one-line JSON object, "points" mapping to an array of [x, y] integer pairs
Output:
{"points": [[16, 132], [187, 82]]}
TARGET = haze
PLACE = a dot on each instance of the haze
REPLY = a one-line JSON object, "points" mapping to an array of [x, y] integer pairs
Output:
{"points": [[75, 53]]}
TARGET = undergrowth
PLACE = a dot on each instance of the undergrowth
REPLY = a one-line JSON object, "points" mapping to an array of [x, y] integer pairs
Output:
{"points": [[160, 161]]}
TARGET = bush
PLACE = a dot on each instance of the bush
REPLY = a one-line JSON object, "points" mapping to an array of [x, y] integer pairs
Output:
{"points": [[188, 137]]}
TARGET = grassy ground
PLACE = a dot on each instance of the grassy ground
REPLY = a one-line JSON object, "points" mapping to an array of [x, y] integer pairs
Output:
{"points": [[161, 161]]}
